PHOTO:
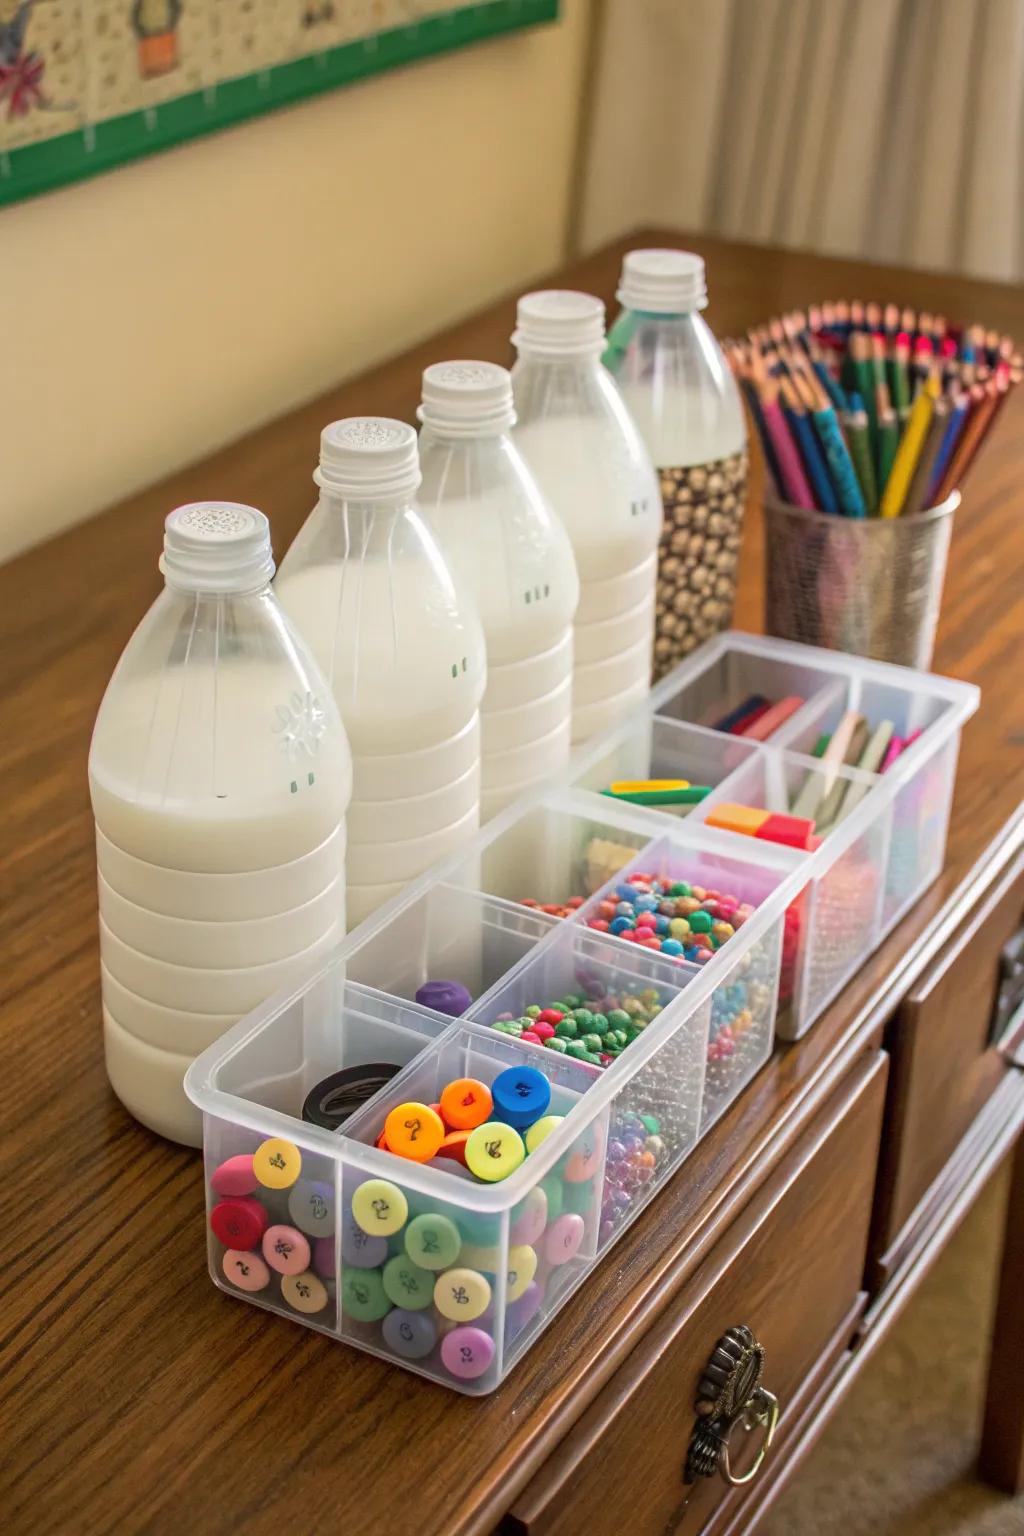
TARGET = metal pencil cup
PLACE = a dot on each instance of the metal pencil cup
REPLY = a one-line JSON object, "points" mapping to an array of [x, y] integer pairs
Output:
{"points": [[870, 586]]}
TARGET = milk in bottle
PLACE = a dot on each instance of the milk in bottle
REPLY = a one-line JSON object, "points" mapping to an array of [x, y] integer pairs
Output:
{"points": [[504, 545], [591, 464], [401, 646], [219, 773]]}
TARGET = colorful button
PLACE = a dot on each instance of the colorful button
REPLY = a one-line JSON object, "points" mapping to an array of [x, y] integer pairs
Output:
{"points": [[363, 1296], [524, 1310], [522, 1266], [277, 1163], [529, 1217], [239, 1223], [466, 1103], [414, 1131], [485, 1259], [454, 1147], [323, 1254], [521, 1095], [467, 1352], [541, 1129], [311, 1207], [247, 1271], [235, 1177], [579, 1197], [380, 1207], [433, 1241], [563, 1238], [286, 1250], [555, 1194], [582, 1162], [409, 1334], [462, 1294], [305, 1292], [406, 1284], [494, 1150], [359, 1247]]}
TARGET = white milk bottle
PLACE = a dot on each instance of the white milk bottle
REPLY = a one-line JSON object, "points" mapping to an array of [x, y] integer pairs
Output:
{"points": [[401, 646], [590, 462], [504, 545], [219, 773], [681, 393]]}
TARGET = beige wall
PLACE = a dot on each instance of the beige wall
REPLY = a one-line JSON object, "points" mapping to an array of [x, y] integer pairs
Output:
{"points": [[154, 313]]}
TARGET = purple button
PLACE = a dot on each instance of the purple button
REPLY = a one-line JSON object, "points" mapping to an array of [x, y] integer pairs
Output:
{"points": [[523, 1311], [323, 1257], [409, 1334], [467, 1352], [361, 1249], [563, 1238]]}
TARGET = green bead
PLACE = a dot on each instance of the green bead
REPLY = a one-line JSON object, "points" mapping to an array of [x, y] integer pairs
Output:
{"points": [[610, 1040], [555, 1192], [618, 1018], [621, 1037], [567, 1029], [651, 1123], [554, 1043], [592, 1042], [593, 1058], [577, 1050], [533, 1010], [583, 1017], [578, 1198], [679, 888], [600, 1022], [570, 1001], [700, 922]]}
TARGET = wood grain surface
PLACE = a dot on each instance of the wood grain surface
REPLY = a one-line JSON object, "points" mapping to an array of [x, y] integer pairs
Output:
{"points": [[138, 1398]]}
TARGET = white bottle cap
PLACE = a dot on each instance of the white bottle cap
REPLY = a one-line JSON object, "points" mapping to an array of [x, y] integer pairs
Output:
{"points": [[559, 323], [663, 282], [364, 458], [217, 546], [467, 400]]}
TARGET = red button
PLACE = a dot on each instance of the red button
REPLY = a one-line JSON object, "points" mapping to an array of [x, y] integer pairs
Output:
{"points": [[235, 1177], [239, 1223]]}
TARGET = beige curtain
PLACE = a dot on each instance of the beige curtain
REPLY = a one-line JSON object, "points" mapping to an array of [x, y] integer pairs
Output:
{"points": [[890, 129]]}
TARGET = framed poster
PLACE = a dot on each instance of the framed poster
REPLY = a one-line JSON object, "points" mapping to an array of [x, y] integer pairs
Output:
{"points": [[88, 84]]}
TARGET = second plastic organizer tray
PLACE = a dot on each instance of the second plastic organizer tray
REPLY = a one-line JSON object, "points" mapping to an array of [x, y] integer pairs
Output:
{"points": [[454, 1275]]}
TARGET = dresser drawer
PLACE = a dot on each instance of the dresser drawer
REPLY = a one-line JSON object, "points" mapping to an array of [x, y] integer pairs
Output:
{"points": [[945, 1063], [790, 1269]]}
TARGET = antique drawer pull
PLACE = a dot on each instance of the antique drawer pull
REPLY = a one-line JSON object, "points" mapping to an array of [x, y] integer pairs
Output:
{"points": [[730, 1395]]}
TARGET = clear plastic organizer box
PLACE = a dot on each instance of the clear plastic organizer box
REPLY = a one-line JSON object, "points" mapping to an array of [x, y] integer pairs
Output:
{"points": [[434, 1270]]}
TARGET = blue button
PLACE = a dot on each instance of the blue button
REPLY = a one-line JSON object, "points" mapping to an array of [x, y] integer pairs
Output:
{"points": [[521, 1095], [409, 1334]]}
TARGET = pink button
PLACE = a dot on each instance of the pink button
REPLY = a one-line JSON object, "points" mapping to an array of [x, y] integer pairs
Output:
{"points": [[246, 1271], [529, 1219], [467, 1352], [561, 1241], [286, 1249], [235, 1177]]}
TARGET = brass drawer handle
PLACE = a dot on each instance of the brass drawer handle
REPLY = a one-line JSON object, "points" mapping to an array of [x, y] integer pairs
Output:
{"points": [[730, 1395]]}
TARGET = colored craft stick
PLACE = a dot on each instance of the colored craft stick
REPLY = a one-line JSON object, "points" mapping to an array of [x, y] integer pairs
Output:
{"points": [[821, 746], [844, 476], [685, 794], [831, 807], [819, 781], [741, 726], [869, 761], [741, 711], [769, 826], [644, 786], [892, 752], [909, 451], [777, 714]]}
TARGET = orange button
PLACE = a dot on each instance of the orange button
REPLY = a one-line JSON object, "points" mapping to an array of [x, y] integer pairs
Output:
{"points": [[466, 1103], [414, 1131]]}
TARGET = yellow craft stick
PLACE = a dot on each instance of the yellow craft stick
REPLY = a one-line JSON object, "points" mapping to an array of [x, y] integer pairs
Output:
{"points": [[647, 786], [909, 450]]}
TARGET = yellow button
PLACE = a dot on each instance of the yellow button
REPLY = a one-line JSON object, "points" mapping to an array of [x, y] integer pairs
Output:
{"points": [[541, 1129], [379, 1207], [414, 1131], [462, 1295], [493, 1151], [522, 1266], [277, 1163], [476, 1257], [305, 1292]]}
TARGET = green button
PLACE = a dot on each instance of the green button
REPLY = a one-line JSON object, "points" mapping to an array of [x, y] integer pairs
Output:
{"points": [[363, 1296], [432, 1241], [407, 1285]]}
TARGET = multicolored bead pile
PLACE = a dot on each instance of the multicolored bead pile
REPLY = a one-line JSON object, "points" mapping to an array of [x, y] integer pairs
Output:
{"points": [[589, 1026], [635, 1152], [672, 917]]}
